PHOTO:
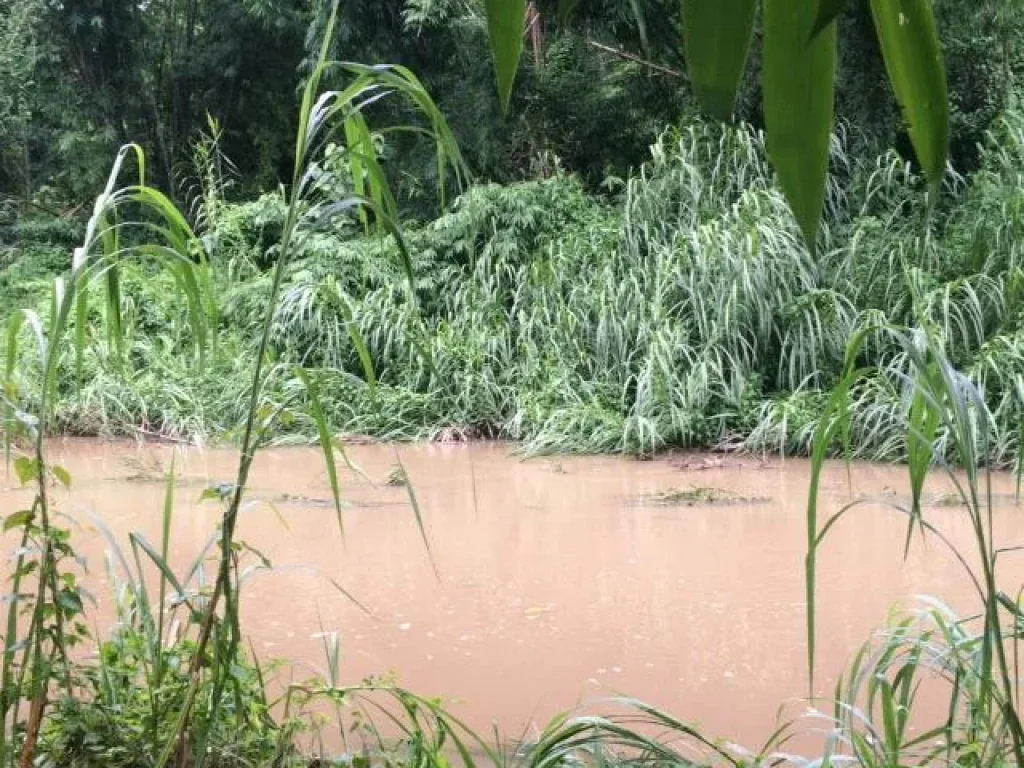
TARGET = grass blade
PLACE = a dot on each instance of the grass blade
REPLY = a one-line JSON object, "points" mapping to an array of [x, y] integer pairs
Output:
{"points": [[828, 11], [833, 420], [419, 515], [326, 442]]}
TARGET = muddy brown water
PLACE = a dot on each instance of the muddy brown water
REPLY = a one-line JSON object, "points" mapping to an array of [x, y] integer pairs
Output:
{"points": [[559, 580]]}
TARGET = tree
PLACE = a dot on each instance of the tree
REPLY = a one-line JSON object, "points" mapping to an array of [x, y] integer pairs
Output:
{"points": [[19, 54]]}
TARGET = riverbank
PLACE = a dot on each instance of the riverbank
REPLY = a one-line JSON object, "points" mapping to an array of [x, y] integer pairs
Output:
{"points": [[683, 312]]}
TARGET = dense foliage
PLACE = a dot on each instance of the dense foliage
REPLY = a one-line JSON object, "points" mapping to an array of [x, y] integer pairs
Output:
{"points": [[622, 277], [78, 79], [684, 310]]}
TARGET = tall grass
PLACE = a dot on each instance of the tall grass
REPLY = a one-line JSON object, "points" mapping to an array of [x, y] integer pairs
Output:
{"points": [[692, 314], [36, 660], [973, 662], [686, 312]]}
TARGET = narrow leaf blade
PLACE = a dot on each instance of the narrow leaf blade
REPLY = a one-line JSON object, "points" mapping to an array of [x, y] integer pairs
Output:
{"points": [[828, 11], [326, 442]]}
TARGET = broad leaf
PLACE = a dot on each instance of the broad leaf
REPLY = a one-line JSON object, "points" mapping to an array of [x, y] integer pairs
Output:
{"points": [[799, 81], [18, 519], [717, 37], [506, 21], [26, 469], [63, 476], [913, 58]]}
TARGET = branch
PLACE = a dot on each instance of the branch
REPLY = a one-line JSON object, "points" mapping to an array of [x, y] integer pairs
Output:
{"points": [[635, 59]]}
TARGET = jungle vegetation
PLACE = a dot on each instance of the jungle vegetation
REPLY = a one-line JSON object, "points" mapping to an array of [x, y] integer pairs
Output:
{"points": [[289, 245]]}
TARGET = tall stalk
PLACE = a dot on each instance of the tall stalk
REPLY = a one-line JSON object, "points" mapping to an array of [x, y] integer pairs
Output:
{"points": [[44, 665], [317, 113], [943, 400]]}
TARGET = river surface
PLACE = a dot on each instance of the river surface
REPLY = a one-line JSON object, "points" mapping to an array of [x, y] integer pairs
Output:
{"points": [[557, 581]]}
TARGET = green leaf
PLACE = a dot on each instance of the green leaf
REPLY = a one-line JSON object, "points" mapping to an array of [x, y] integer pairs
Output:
{"points": [[26, 469], [63, 476], [506, 21], [798, 102], [115, 328], [828, 11], [833, 421], [217, 492], [333, 293], [264, 560], [139, 541], [70, 601], [81, 328], [913, 58], [923, 424], [717, 34], [419, 515], [326, 441], [18, 519]]}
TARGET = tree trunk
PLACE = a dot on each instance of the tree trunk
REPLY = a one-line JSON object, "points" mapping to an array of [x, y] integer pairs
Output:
{"points": [[535, 26]]}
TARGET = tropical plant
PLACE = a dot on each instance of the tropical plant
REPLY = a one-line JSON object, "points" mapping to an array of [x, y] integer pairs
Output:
{"points": [[799, 44], [110, 240]]}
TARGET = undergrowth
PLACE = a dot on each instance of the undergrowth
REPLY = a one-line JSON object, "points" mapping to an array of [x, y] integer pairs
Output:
{"points": [[688, 313], [684, 312]]}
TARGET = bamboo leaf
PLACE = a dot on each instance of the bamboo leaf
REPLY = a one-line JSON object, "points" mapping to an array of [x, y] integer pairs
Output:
{"points": [[81, 328], [798, 105], [717, 34], [115, 327], [913, 58], [506, 20]]}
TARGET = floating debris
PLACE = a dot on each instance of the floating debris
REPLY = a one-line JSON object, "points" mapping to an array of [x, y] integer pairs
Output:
{"points": [[311, 501], [705, 463], [146, 468], [699, 496], [949, 499]]}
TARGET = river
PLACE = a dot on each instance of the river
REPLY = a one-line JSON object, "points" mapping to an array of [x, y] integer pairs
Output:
{"points": [[558, 580]]}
